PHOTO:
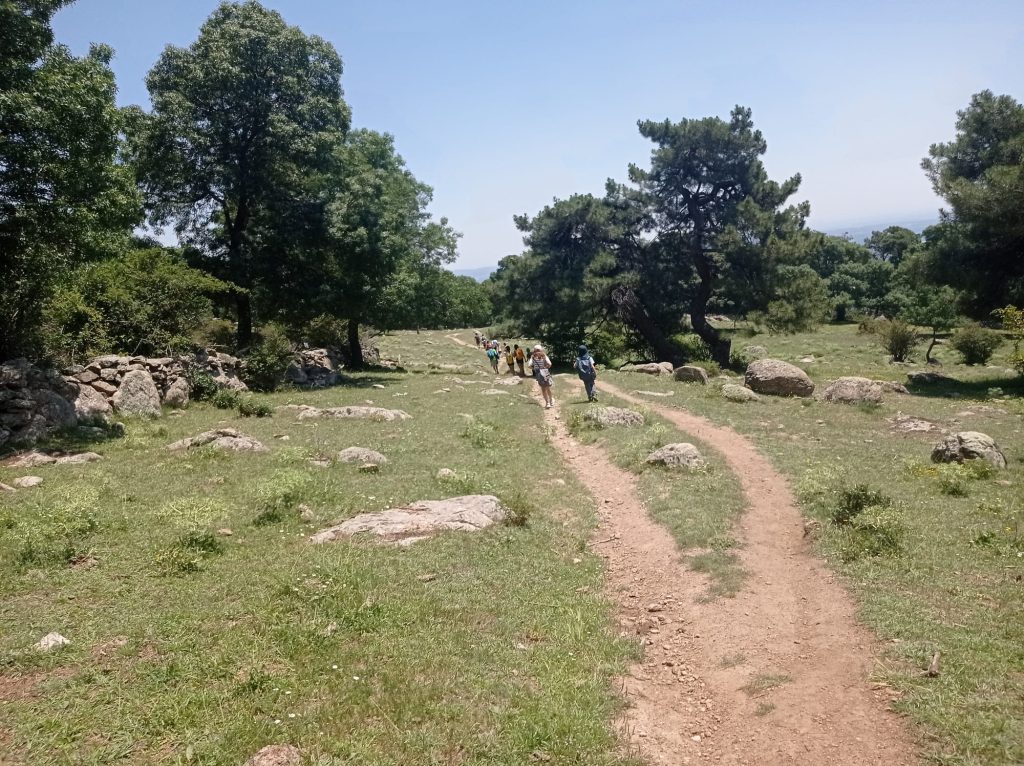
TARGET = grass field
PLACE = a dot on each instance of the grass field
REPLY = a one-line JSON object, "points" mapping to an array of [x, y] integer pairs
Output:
{"points": [[955, 582], [192, 647]]}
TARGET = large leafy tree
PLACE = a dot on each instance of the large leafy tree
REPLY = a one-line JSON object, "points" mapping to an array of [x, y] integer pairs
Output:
{"points": [[893, 244], [980, 173], [64, 195], [706, 179], [243, 126], [373, 228]]}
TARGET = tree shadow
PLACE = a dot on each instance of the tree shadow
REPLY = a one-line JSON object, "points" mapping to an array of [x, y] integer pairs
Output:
{"points": [[984, 389]]}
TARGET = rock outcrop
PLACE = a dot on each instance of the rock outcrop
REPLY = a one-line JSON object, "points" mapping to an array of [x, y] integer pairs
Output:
{"points": [[361, 455], [418, 521], [137, 395], [221, 438], [778, 378], [679, 455], [650, 368], [969, 445], [356, 412], [854, 390], [34, 402], [735, 393], [690, 373]]}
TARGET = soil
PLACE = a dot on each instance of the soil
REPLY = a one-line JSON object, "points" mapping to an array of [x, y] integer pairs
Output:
{"points": [[779, 674]]}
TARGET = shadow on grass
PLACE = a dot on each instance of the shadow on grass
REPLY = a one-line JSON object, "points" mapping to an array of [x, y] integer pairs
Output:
{"points": [[980, 388]]}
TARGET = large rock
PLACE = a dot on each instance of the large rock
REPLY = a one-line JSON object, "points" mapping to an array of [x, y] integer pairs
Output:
{"points": [[968, 445], [679, 455], [691, 373], [316, 368], [773, 376], [35, 457], [221, 438], [137, 395], [923, 378], [90, 405], [651, 368], [361, 455], [417, 521], [735, 393], [177, 394], [613, 416], [854, 390], [306, 412]]}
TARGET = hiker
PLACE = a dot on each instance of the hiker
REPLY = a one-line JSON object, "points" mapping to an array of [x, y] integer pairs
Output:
{"points": [[477, 337], [510, 360], [492, 356], [520, 356], [541, 366], [587, 371]]}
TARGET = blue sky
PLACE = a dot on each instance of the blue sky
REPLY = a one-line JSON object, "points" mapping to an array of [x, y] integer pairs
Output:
{"points": [[503, 106]]}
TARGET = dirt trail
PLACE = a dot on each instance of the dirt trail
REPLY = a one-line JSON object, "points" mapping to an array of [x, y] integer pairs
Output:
{"points": [[792, 625]]}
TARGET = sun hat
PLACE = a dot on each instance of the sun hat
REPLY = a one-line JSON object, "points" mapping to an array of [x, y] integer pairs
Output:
{"points": [[538, 347]]}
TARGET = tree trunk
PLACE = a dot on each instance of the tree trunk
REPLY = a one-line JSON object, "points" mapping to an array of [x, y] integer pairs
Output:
{"points": [[355, 348], [928, 353], [243, 307], [633, 313], [720, 347]]}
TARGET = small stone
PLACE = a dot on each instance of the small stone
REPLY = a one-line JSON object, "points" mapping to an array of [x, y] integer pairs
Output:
{"points": [[656, 608], [444, 474], [225, 532], [52, 641], [6, 488], [276, 755], [306, 513], [27, 482], [378, 386], [426, 577], [361, 455]]}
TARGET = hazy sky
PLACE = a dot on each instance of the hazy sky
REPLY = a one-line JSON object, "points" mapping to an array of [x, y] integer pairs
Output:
{"points": [[503, 106]]}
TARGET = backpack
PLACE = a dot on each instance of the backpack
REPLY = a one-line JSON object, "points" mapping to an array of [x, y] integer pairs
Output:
{"points": [[585, 365]]}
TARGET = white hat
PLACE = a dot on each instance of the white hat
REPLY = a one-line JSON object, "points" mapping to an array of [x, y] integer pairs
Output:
{"points": [[538, 347]]}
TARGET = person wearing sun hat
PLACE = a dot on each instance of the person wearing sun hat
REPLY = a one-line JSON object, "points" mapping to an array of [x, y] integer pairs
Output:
{"points": [[541, 366]]}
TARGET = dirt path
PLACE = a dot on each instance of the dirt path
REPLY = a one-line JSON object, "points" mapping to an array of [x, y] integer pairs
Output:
{"points": [[790, 636]]}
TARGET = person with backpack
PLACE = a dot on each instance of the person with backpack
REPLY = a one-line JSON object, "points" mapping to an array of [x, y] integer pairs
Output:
{"points": [[520, 356], [587, 371], [510, 360], [540, 364], [493, 356]]}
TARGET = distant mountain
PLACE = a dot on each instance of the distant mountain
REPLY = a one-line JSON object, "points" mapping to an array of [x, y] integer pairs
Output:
{"points": [[479, 274], [860, 232]]}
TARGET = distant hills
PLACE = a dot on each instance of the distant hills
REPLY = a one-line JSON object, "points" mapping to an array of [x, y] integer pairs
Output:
{"points": [[857, 233]]}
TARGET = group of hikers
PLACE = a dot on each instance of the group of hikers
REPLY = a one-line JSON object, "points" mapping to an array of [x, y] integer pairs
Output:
{"points": [[539, 363]]}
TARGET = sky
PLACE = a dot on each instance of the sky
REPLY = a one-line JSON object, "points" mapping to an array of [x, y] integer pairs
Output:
{"points": [[503, 106]]}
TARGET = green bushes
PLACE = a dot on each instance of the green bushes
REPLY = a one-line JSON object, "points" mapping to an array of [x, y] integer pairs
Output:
{"points": [[247, 406], [268, 359], [140, 302], [898, 338], [975, 343], [851, 503]]}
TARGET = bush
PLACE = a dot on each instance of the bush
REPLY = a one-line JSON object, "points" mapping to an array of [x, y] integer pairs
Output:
{"points": [[326, 331], [953, 480], [851, 503], [249, 407], [898, 338], [201, 384], [975, 343], [693, 347], [739, 361], [520, 509], [226, 399], [878, 533], [219, 333], [267, 360]]}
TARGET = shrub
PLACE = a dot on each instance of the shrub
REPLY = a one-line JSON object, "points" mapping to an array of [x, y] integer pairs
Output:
{"points": [[953, 480], [898, 338], [693, 347], [201, 384], [851, 503], [267, 360], [975, 343], [520, 509], [878, 533], [226, 399], [739, 361], [249, 407], [326, 331], [219, 333]]}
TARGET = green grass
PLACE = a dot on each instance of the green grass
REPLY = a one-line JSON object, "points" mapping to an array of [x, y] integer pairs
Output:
{"points": [[939, 570], [698, 508], [193, 646]]}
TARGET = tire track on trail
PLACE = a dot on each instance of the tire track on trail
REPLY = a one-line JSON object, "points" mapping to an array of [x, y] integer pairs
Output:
{"points": [[790, 636]]}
